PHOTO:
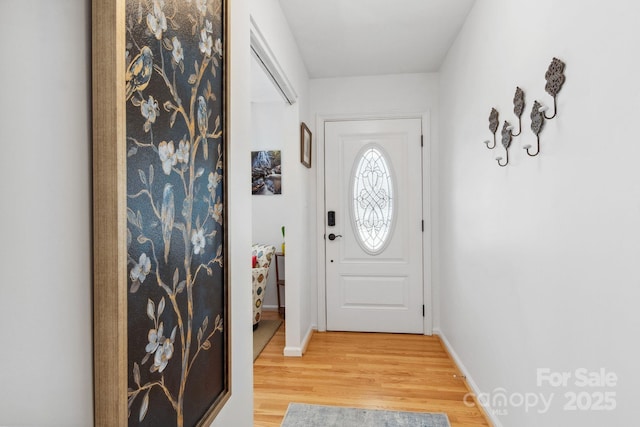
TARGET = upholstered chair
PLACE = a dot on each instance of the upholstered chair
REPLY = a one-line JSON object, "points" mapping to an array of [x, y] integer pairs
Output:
{"points": [[259, 273]]}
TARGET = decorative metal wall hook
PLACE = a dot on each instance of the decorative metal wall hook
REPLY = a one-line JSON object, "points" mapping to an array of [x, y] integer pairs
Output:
{"points": [[506, 142], [518, 108], [555, 79], [493, 127], [537, 123]]}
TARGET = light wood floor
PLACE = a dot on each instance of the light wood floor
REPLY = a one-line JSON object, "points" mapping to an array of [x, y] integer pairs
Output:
{"points": [[375, 371]]}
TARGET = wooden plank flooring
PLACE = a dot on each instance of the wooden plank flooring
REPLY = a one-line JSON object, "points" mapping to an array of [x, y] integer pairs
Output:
{"points": [[376, 371]]}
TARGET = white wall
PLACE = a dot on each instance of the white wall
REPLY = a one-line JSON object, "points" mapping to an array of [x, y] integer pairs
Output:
{"points": [[45, 184], [267, 133], [300, 274], [539, 260], [238, 411], [378, 95], [395, 93]]}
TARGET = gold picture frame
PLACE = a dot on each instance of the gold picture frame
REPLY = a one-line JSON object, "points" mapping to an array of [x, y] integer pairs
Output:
{"points": [[305, 145], [149, 264]]}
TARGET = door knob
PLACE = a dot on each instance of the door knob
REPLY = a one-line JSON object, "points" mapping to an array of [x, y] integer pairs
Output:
{"points": [[334, 236]]}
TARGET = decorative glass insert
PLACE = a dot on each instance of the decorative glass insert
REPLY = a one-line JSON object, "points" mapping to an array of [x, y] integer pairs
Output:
{"points": [[373, 200]]}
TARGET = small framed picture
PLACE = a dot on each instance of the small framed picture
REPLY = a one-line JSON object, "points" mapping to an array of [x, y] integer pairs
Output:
{"points": [[266, 172], [305, 145]]}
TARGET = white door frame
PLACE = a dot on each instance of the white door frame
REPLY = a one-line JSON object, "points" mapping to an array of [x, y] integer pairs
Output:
{"points": [[321, 119]]}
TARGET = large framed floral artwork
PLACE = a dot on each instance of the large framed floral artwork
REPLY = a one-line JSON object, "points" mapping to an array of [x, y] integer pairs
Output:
{"points": [[161, 332]]}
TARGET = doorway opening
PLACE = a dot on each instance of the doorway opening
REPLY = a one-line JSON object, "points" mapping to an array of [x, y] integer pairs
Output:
{"points": [[267, 135]]}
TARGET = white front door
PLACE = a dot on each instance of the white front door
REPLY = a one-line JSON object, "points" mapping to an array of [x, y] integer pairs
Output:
{"points": [[373, 185]]}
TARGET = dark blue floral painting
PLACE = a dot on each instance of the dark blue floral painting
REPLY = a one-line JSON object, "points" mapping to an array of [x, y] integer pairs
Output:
{"points": [[176, 306]]}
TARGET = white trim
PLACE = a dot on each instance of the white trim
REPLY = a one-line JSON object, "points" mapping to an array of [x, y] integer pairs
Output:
{"points": [[321, 119], [262, 52], [307, 338], [320, 224], [299, 351], [292, 352], [462, 368], [427, 244]]}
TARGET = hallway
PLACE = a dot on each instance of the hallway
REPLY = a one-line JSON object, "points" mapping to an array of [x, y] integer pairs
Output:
{"points": [[375, 371]]}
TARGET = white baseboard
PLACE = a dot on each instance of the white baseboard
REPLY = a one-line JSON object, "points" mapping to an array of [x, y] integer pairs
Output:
{"points": [[474, 386], [307, 338], [269, 307], [292, 352], [299, 351]]}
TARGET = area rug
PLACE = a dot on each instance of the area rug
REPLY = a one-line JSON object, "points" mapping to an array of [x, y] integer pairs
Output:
{"points": [[303, 415], [261, 336]]}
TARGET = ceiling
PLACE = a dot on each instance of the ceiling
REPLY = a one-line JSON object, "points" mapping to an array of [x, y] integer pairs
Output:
{"points": [[340, 38]]}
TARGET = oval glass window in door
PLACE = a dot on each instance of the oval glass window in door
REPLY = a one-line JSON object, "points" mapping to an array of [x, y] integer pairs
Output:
{"points": [[373, 199]]}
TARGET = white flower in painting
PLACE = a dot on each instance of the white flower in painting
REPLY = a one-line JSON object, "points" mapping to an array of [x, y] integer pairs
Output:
{"points": [[206, 42], [218, 47], [182, 155], [150, 110], [155, 337], [164, 352], [157, 21], [217, 212], [208, 26], [198, 241], [178, 52], [162, 347], [141, 269], [214, 180], [202, 6], [166, 151]]}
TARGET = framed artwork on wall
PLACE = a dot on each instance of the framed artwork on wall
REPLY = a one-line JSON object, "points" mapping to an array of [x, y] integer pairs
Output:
{"points": [[305, 145], [266, 172], [161, 293]]}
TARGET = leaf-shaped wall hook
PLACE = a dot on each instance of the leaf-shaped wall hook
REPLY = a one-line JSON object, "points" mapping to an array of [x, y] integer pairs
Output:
{"points": [[537, 123], [506, 142], [518, 108], [493, 127], [555, 79]]}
